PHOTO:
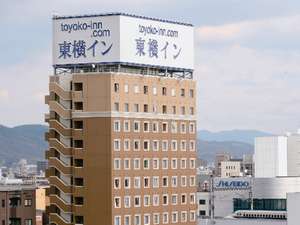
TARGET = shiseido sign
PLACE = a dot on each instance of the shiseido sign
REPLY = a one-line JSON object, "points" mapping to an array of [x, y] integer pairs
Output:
{"points": [[232, 184]]}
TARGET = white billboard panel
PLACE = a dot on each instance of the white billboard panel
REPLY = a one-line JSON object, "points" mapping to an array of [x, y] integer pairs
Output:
{"points": [[122, 39]]}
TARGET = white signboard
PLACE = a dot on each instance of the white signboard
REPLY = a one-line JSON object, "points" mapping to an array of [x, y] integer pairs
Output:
{"points": [[122, 39]]}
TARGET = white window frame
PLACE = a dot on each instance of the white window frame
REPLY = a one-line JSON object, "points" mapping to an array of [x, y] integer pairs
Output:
{"points": [[183, 131], [165, 204], [129, 219], [154, 198], [194, 146], [115, 160], [172, 183], [146, 122], [167, 127], [163, 144], [174, 145], [174, 213], [124, 127], [173, 92], [183, 178], [163, 177], [149, 219], [165, 215], [129, 182], [148, 141], [162, 163], [192, 181], [173, 124], [118, 142], [139, 145], [156, 215], [140, 220], [155, 149], [192, 218], [174, 166], [184, 220], [192, 130], [120, 204], [155, 167], [149, 182], [139, 197], [149, 200], [154, 90], [124, 161], [117, 178], [183, 145], [119, 126], [149, 161], [117, 218], [155, 184], [183, 165], [139, 182], [134, 165], [156, 125], [176, 197], [139, 126], [125, 148], [129, 201]]}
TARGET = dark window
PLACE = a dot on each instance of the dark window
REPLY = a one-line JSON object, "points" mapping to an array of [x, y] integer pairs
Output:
{"points": [[202, 202], [78, 200], [3, 222], [182, 92], [14, 202], [145, 107], [164, 91], [78, 105], [116, 87], [3, 203], [78, 87], [14, 221], [78, 143], [202, 213], [78, 162], [78, 182], [79, 220], [78, 124], [164, 109], [145, 89]]}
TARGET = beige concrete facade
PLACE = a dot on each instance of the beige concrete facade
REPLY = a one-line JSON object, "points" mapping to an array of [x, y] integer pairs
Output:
{"points": [[122, 149]]}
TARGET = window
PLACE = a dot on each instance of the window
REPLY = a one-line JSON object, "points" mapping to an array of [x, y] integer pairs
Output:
{"points": [[155, 200], [182, 92], [165, 218], [117, 183], [192, 128], [165, 163], [146, 200], [154, 91], [136, 107], [117, 144], [146, 145], [174, 145], [174, 163], [145, 89], [165, 199], [78, 162], [164, 127], [78, 200], [116, 107], [202, 213], [164, 109], [117, 201], [136, 164], [165, 181], [202, 202], [78, 124], [192, 198], [173, 92], [126, 126], [183, 145], [136, 89], [183, 198], [182, 110], [126, 107], [116, 87], [155, 182], [174, 181], [127, 164], [183, 164], [164, 145], [117, 220], [146, 164], [192, 163], [173, 127], [126, 145], [78, 86], [183, 128], [183, 216], [136, 126], [127, 182], [137, 219], [146, 219], [146, 126], [183, 181], [192, 216], [174, 109], [155, 127], [117, 164], [136, 144], [137, 201], [146, 182], [137, 182], [28, 222], [79, 181], [126, 88], [3, 203], [155, 145], [154, 108], [155, 163], [146, 108], [174, 199], [192, 181], [164, 91], [174, 217], [78, 143], [28, 202], [191, 93], [127, 220], [78, 105], [127, 201], [156, 218], [192, 111], [192, 146]]}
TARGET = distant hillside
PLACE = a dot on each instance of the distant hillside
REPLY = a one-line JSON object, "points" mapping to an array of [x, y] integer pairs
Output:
{"points": [[246, 136], [22, 142]]}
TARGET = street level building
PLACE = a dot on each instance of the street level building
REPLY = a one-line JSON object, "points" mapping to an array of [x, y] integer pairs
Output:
{"points": [[122, 124]]}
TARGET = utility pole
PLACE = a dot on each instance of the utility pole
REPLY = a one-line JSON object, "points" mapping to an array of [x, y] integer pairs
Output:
{"points": [[212, 200]]}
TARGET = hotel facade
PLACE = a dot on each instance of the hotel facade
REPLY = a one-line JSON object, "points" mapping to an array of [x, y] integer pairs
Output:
{"points": [[122, 136]]}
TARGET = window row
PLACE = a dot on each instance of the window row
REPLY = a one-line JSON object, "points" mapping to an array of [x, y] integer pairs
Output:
{"points": [[157, 218], [154, 182], [154, 200], [145, 90], [164, 109], [154, 163], [154, 145], [154, 127]]}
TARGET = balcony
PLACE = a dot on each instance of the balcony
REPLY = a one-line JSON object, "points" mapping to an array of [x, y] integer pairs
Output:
{"points": [[60, 110], [59, 165], [60, 203], [47, 117], [56, 88], [60, 147], [60, 184], [60, 128], [57, 219]]}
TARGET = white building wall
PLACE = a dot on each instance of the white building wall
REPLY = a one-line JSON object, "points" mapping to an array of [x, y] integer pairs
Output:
{"points": [[293, 216], [293, 157]]}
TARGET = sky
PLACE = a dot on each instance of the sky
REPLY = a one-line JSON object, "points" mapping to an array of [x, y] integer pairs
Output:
{"points": [[247, 57]]}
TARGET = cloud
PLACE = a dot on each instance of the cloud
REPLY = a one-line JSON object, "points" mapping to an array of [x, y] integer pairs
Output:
{"points": [[3, 94]]}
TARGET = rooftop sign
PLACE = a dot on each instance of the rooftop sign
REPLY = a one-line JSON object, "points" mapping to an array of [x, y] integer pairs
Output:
{"points": [[232, 183], [120, 38]]}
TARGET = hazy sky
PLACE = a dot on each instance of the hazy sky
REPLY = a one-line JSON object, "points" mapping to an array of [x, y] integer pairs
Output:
{"points": [[247, 57]]}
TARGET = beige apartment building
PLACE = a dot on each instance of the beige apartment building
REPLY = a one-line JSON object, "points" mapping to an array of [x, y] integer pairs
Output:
{"points": [[122, 145]]}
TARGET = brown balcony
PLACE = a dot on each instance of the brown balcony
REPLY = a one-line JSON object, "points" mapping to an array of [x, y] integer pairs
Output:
{"points": [[60, 128], [60, 147], [57, 219], [56, 200], [56, 181], [59, 165], [56, 88], [60, 110], [47, 98]]}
